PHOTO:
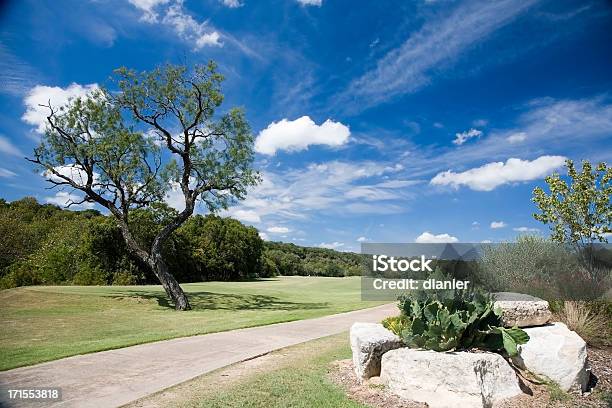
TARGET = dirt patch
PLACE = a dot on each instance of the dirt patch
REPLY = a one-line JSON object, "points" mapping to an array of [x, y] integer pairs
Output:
{"points": [[374, 394]]}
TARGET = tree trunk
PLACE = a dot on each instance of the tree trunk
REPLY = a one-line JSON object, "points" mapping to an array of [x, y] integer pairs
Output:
{"points": [[171, 286], [158, 266]]}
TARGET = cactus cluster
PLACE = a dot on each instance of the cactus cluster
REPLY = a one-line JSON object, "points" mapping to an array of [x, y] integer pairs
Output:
{"points": [[448, 320]]}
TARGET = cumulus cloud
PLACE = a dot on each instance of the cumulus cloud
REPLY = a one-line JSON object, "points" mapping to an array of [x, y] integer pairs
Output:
{"points": [[264, 236], [63, 199], [174, 15], [492, 175], [73, 172], [278, 230], [526, 229], [331, 245], [36, 115], [462, 137], [498, 224], [7, 147], [317, 3], [6, 173], [429, 238], [296, 135], [246, 216], [362, 239]]}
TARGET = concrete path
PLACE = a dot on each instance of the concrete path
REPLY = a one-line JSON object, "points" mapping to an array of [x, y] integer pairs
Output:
{"points": [[115, 377]]}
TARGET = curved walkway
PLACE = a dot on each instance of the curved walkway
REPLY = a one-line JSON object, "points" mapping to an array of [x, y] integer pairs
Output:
{"points": [[115, 377]]}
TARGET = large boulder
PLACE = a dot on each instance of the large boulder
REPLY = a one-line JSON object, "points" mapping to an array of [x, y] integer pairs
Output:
{"points": [[449, 379], [557, 353], [522, 310], [369, 341]]}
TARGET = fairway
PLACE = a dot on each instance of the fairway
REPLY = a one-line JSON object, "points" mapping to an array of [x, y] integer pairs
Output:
{"points": [[49, 322]]}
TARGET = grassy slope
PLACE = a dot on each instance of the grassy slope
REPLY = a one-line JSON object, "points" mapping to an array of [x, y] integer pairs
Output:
{"points": [[292, 377], [47, 323]]}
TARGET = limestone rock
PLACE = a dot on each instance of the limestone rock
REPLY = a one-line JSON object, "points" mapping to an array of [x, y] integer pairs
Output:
{"points": [[369, 341], [557, 353], [522, 310], [449, 379]]}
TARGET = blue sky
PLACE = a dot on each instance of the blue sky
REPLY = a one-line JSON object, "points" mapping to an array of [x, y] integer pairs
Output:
{"points": [[389, 121]]}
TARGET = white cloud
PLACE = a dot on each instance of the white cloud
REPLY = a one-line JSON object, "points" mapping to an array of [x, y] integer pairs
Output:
{"points": [[174, 197], [331, 245], [278, 230], [485, 241], [264, 236], [317, 3], [232, 3], [6, 173], [498, 224], [296, 135], [36, 115], [526, 229], [63, 199], [246, 216], [429, 238], [362, 239], [188, 29], [6, 146], [492, 175], [336, 187], [517, 137], [461, 138], [148, 8], [438, 43], [182, 23], [73, 172]]}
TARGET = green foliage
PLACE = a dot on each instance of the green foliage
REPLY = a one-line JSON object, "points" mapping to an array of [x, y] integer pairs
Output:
{"points": [[49, 245], [56, 246], [223, 248], [580, 212], [396, 324], [454, 320], [290, 259]]}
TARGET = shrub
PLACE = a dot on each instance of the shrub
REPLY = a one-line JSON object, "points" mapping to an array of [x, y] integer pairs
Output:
{"points": [[539, 267], [454, 320], [585, 320]]}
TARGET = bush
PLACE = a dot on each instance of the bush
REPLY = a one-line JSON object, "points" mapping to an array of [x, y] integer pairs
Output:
{"points": [[590, 321], [536, 266], [453, 320]]}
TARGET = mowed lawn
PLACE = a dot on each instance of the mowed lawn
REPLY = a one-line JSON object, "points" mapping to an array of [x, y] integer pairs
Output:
{"points": [[44, 323], [291, 377]]}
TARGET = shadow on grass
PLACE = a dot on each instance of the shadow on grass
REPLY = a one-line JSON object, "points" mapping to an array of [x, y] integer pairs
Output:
{"points": [[225, 301]]}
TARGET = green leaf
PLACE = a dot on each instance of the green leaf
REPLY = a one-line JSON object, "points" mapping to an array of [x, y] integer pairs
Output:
{"points": [[509, 344]]}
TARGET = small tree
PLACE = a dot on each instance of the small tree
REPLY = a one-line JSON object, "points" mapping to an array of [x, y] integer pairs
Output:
{"points": [[580, 213], [125, 150]]}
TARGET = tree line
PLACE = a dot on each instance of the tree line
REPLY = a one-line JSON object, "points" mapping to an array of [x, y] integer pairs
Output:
{"points": [[47, 245]]}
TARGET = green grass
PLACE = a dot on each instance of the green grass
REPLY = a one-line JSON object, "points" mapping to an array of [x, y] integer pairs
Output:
{"points": [[49, 322], [293, 377]]}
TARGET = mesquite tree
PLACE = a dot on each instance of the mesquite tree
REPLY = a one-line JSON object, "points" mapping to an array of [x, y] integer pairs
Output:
{"points": [[579, 212], [158, 132]]}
